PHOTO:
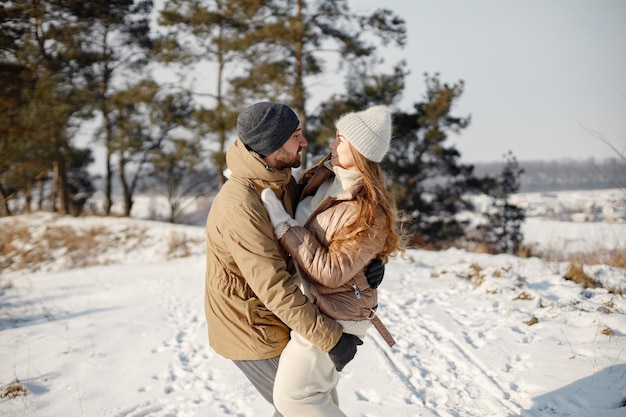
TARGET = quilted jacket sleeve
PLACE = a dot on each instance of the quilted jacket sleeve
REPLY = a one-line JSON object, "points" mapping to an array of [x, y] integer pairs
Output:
{"points": [[335, 265]]}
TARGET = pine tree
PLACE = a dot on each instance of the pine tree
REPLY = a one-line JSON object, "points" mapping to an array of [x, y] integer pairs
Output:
{"points": [[119, 37], [204, 31], [177, 167], [430, 183], [79, 182], [145, 118], [290, 44], [364, 88], [15, 174], [426, 176], [503, 230], [44, 46]]}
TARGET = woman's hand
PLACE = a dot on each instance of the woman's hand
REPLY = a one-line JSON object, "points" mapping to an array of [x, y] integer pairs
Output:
{"points": [[280, 219]]}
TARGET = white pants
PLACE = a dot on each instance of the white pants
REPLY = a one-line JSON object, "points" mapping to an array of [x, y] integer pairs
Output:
{"points": [[306, 381]]}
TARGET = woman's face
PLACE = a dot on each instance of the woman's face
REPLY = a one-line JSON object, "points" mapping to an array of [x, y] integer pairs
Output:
{"points": [[341, 155]]}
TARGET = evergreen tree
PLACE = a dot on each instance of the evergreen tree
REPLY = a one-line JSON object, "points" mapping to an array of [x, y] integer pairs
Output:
{"points": [[427, 178], [44, 49], [79, 182], [177, 166], [16, 174], [502, 232], [145, 117], [289, 44], [205, 31], [119, 37], [364, 88], [425, 175]]}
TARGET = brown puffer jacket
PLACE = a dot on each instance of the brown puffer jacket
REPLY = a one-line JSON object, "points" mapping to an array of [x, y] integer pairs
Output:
{"points": [[251, 301], [335, 270]]}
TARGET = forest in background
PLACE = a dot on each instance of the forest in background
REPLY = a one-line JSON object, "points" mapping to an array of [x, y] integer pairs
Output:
{"points": [[63, 64]]}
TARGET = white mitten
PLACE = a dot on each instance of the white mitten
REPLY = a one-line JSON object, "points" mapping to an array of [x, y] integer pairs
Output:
{"points": [[280, 219]]}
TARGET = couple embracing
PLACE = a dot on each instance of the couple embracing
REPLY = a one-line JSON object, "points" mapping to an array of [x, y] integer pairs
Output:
{"points": [[292, 266]]}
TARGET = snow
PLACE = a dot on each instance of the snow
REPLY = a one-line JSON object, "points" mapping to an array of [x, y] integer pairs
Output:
{"points": [[127, 335], [569, 238]]}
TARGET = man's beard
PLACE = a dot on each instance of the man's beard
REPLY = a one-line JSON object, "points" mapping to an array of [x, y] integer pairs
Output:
{"points": [[287, 160]]}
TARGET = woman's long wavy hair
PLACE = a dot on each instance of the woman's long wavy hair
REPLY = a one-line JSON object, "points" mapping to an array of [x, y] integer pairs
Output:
{"points": [[373, 200]]}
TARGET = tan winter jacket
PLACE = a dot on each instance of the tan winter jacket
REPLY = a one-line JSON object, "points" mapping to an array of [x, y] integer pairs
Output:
{"points": [[251, 301], [335, 270]]}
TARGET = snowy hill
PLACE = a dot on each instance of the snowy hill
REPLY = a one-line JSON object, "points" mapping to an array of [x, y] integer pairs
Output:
{"points": [[123, 332]]}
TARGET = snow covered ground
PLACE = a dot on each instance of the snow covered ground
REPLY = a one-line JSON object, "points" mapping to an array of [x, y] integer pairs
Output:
{"points": [[478, 335]]}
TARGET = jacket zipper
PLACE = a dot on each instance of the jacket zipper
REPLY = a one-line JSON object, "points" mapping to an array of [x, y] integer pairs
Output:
{"points": [[357, 293]]}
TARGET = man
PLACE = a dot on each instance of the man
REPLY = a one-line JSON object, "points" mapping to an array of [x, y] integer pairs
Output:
{"points": [[251, 302]]}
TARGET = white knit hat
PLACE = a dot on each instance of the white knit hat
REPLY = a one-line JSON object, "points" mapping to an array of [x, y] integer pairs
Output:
{"points": [[369, 131]]}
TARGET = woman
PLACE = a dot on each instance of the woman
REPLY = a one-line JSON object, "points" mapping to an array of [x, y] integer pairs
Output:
{"points": [[349, 219]]}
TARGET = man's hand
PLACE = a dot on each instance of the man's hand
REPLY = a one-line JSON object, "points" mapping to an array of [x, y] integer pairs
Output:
{"points": [[375, 272], [344, 350]]}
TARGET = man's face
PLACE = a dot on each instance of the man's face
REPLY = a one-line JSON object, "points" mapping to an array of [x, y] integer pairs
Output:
{"points": [[288, 155]]}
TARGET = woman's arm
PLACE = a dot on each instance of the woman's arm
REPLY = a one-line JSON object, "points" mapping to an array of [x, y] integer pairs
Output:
{"points": [[331, 266], [335, 265]]}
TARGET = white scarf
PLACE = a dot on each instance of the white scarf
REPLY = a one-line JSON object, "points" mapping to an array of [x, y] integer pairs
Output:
{"points": [[332, 187]]}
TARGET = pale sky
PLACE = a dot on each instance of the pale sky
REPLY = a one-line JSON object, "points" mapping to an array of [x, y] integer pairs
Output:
{"points": [[536, 72]]}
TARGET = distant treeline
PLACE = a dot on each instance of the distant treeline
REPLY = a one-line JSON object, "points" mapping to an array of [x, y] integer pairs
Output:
{"points": [[567, 174]]}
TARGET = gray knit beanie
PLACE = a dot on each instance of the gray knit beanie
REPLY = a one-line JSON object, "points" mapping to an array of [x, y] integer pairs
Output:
{"points": [[264, 127], [369, 131]]}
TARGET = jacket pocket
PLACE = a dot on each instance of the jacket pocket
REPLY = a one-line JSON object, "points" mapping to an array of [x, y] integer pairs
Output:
{"points": [[265, 323]]}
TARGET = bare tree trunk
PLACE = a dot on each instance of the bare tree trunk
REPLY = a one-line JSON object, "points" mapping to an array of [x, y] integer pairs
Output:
{"points": [[28, 199], [108, 175], [55, 187], [299, 100], [128, 198], [4, 203], [60, 181], [40, 199], [220, 160], [108, 130]]}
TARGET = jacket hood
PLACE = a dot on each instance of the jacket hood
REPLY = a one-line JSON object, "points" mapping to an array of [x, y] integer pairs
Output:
{"points": [[249, 167]]}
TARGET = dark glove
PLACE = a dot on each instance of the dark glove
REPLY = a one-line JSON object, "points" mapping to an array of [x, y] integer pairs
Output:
{"points": [[375, 272], [344, 350]]}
